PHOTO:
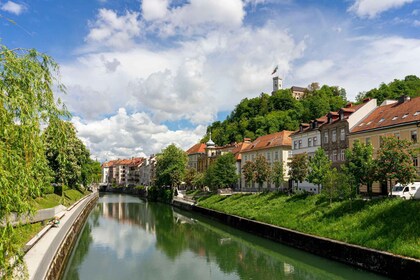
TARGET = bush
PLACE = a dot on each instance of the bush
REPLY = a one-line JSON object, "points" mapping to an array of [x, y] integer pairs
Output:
{"points": [[163, 194], [48, 190]]}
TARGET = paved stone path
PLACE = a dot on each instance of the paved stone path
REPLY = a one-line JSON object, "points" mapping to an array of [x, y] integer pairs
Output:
{"points": [[39, 257]]}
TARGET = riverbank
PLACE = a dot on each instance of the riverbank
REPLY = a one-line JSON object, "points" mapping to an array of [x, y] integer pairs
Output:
{"points": [[52, 246], [300, 221]]}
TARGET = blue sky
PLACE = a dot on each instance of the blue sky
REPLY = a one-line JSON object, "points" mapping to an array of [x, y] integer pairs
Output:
{"points": [[143, 74]]}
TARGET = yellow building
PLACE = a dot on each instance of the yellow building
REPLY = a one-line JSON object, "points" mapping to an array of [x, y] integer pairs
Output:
{"points": [[393, 118]]}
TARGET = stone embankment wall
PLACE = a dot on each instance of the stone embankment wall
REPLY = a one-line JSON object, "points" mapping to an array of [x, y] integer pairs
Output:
{"points": [[62, 255], [387, 264]]}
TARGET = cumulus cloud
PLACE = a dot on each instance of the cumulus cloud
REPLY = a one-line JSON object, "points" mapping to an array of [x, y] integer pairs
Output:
{"points": [[111, 30], [13, 7], [194, 17], [372, 8], [126, 135], [154, 9]]}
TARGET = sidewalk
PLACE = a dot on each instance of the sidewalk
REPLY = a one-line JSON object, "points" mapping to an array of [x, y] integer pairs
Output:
{"points": [[39, 257]]}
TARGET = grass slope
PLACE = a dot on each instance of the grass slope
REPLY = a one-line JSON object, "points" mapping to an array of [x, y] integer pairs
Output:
{"points": [[391, 225]]}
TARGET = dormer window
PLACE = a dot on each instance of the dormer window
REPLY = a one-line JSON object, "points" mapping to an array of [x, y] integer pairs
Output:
{"points": [[381, 120], [405, 115], [369, 123], [417, 113], [361, 124], [396, 117]]}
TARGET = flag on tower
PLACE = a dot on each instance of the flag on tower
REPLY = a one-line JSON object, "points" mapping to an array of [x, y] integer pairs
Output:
{"points": [[275, 70]]}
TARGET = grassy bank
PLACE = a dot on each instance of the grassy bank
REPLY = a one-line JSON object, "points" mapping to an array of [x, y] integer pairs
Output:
{"points": [[25, 233], [391, 225]]}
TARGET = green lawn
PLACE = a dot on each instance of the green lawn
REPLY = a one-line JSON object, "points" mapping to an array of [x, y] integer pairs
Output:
{"points": [[52, 200], [391, 225]]}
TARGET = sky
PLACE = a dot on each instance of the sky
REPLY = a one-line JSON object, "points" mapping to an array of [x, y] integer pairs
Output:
{"points": [[141, 75]]}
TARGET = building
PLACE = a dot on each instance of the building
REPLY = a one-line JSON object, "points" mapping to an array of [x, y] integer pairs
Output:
{"points": [[147, 171], [297, 92], [307, 140], [196, 155], [121, 171], [393, 118], [335, 132], [274, 147]]}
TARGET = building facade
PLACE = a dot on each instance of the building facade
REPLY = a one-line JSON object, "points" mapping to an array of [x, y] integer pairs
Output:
{"points": [[274, 147], [400, 119]]}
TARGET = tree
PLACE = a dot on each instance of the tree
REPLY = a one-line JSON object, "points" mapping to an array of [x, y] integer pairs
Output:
{"points": [[298, 168], [395, 161], [66, 154], [248, 172], [222, 172], [277, 174], [261, 170], [330, 184], [361, 166], [171, 166], [190, 176], [319, 164], [27, 100]]}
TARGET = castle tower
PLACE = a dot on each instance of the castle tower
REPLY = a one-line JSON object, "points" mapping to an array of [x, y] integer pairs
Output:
{"points": [[277, 83]]}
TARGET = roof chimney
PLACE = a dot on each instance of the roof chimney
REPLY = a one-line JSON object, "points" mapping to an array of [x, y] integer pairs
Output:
{"points": [[348, 105], [403, 98]]}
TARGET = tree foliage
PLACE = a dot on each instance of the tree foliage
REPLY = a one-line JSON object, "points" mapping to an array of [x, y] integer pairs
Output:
{"points": [[261, 170], [67, 156], [410, 86], [298, 168], [319, 164], [26, 102], [222, 172], [277, 174], [395, 161], [279, 111], [248, 172], [170, 166], [361, 165]]}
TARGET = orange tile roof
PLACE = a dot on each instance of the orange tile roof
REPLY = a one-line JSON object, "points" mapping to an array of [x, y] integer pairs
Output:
{"points": [[199, 148], [391, 115], [239, 148], [271, 140]]}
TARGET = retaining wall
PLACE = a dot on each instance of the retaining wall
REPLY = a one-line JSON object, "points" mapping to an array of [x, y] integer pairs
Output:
{"points": [[384, 263]]}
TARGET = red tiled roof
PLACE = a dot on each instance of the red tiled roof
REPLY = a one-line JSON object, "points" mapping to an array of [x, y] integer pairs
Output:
{"points": [[239, 148], [390, 115], [131, 161], [197, 149], [271, 140]]}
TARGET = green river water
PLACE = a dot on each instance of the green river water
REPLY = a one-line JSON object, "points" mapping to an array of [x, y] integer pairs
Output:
{"points": [[129, 238]]}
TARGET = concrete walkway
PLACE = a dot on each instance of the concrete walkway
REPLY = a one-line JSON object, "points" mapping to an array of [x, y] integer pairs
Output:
{"points": [[47, 242]]}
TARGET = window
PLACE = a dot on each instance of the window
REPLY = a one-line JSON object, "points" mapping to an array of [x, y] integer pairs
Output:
{"points": [[405, 115], [276, 155], [367, 141], [334, 136], [369, 123], [300, 144], [326, 137], [414, 136], [268, 156], [246, 158], [417, 113], [381, 120], [397, 135], [309, 142], [334, 155], [415, 161], [289, 154], [342, 134], [396, 117], [295, 145], [342, 155], [314, 141]]}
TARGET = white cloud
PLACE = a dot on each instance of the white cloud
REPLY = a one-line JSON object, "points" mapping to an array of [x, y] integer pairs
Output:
{"points": [[372, 8], [416, 22], [13, 8], [195, 16], [314, 69], [154, 9], [125, 135], [114, 31]]}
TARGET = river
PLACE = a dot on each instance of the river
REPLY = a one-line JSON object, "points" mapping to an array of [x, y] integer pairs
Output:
{"points": [[126, 237]]}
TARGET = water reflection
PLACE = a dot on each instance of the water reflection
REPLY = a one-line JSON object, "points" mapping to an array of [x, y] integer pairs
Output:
{"points": [[127, 238]]}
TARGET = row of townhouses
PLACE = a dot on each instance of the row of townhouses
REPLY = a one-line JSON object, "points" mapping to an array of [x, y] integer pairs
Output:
{"points": [[335, 132], [129, 172]]}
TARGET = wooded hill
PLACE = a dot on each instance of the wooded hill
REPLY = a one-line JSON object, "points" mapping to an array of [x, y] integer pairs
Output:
{"points": [[269, 113]]}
